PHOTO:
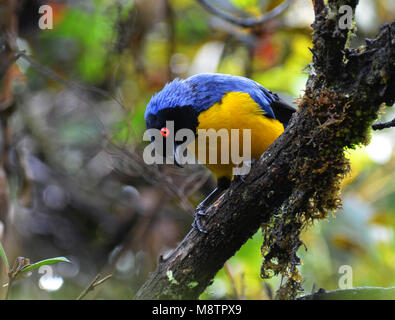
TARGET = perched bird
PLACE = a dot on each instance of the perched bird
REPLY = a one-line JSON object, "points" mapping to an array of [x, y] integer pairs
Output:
{"points": [[219, 101]]}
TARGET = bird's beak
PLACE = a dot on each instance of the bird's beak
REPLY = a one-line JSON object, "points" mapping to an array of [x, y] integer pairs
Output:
{"points": [[177, 156]]}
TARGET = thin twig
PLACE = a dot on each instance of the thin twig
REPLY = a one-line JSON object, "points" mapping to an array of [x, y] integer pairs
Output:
{"points": [[363, 293], [246, 22], [171, 37], [9, 63], [242, 287], [95, 282], [69, 84], [269, 291], [232, 280], [8, 288], [384, 125]]}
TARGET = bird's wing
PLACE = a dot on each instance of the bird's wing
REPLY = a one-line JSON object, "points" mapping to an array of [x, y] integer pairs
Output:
{"points": [[282, 111], [274, 106], [211, 88]]}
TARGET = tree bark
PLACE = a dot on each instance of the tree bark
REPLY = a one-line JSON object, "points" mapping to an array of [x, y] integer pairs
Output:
{"points": [[297, 180]]}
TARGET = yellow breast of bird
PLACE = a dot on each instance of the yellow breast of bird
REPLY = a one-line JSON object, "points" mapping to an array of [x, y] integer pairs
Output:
{"points": [[237, 110]]}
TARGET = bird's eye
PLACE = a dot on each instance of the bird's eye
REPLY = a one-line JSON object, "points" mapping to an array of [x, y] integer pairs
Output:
{"points": [[164, 132]]}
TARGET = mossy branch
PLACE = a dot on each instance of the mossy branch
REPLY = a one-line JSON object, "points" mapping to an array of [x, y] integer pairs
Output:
{"points": [[363, 293], [297, 180]]}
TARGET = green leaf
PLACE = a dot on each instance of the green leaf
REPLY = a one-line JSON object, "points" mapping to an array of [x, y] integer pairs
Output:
{"points": [[4, 257], [45, 262]]}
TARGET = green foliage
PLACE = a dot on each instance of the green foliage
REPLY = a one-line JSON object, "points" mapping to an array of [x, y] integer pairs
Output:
{"points": [[4, 257], [45, 262]]}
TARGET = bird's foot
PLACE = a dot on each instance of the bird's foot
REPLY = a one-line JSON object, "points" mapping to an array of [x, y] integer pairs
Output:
{"points": [[240, 173], [200, 211], [241, 178]]}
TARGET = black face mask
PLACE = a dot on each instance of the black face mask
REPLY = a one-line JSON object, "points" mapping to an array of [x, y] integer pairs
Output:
{"points": [[182, 117]]}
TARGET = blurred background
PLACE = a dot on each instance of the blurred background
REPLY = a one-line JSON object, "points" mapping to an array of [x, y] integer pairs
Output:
{"points": [[72, 179]]}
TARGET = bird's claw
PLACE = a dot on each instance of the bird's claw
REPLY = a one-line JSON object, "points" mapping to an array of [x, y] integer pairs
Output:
{"points": [[238, 178], [196, 222]]}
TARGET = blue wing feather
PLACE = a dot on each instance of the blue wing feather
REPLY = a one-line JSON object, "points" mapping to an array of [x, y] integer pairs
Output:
{"points": [[203, 90], [210, 89]]}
